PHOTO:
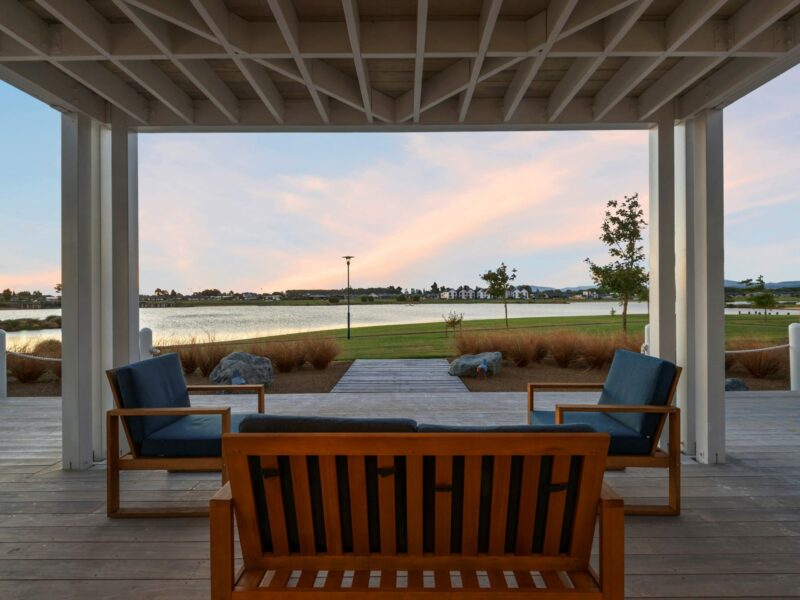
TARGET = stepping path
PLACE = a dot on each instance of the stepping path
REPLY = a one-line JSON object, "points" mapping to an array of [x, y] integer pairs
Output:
{"points": [[399, 375]]}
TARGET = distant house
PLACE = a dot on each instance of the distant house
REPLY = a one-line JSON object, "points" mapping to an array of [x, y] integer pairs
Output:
{"points": [[249, 296], [482, 294], [448, 294], [273, 297], [520, 294], [466, 294]]}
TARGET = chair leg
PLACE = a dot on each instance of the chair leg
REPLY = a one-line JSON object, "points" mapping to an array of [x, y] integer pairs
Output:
{"points": [[112, 466]]}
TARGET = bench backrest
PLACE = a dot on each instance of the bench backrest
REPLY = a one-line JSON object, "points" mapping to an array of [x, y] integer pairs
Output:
{"points": [[386, 500]]}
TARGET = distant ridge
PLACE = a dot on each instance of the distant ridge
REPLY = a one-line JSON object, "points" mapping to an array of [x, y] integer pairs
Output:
{"points": [[773, 285]]}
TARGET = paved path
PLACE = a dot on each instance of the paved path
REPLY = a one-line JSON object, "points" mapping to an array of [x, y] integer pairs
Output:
{"points": [[404, 376]]}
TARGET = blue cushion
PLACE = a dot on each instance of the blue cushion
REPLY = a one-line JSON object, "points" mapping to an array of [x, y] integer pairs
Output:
{"points": [[537, 428], [189, 436], [624, 440], [638, 379], [295, 424], [152, 383]]}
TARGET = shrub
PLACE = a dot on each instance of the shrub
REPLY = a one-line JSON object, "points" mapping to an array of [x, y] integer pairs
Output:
{"points": [[468, 343], [208, 355], [285, 356], [321, 352], [597, 350], [26, 370], [50, 349], [525, 348], [759, 365], [563, 347]]}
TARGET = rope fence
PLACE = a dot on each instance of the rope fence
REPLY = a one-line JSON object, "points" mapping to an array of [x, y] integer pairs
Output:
{"points": [[752, 350], [32, 356]]}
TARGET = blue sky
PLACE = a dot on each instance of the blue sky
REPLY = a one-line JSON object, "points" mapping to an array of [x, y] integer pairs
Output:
{"points": [[275, 211]]}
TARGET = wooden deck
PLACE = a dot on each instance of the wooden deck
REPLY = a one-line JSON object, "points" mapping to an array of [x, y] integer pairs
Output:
{"points": [[418, 375], [738, 537]]}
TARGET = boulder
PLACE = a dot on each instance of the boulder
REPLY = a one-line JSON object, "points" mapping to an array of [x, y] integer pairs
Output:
{"points": [[733, 384], [240, 367], [467, 365]]}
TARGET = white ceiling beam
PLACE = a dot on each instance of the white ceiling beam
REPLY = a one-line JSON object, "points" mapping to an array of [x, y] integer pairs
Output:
{"points": [[744, 25], [286, 17], [419, 57], [216, 16], [177, 12], [558, 12], [588, 13], [53, 87], [82, 19], [25, 26], [197, 71], [615, 27], [681, 24], [488, 18], [353, 22]]}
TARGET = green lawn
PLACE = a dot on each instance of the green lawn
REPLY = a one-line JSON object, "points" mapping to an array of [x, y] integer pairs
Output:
{"points": [[427, 340]]}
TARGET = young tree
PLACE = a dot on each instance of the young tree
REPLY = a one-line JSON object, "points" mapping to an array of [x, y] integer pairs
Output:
{"points": [[498, 284], [622, 233], [7, 294], [58, 288], [760, 296], [434, 288]]}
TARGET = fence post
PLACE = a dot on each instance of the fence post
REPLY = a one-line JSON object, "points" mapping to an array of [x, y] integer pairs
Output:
{"points": [[794, 357], [646, 345], [3, 366], [145, 343]]}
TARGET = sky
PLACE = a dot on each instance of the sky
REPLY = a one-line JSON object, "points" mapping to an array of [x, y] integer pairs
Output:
{"points": [[269, 212]]}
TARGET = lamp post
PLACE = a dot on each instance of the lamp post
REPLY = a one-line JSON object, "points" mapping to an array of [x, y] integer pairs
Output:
{"points": [[348, 258]]}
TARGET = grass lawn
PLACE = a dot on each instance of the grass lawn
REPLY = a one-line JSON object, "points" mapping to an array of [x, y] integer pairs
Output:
{"points": [[428, 340]]}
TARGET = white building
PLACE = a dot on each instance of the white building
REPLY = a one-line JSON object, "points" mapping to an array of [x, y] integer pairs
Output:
{"points": [[448, 294], [466, 294], [482, 294], [520, 294]]}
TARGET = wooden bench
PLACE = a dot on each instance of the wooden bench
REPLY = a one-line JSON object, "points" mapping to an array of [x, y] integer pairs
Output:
{"points": [[401, 514]]}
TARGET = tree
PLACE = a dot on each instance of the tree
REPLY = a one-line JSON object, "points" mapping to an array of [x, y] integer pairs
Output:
{"points": [[622, 233], [760, 296], [7, 294], [498, 284], [58, 288], [434, 288]]}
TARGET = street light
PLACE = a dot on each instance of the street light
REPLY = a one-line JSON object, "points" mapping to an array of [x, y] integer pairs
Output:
{"points": [[348, 258]]}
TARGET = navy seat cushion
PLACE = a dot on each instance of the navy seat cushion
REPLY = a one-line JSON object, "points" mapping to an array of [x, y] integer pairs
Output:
{"points": [[189, 436], [624, 440], [292, 424], [152, 383], [638, 379]]}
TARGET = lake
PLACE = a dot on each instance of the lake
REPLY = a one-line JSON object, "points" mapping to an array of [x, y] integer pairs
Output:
{"points": [[237, 322]]}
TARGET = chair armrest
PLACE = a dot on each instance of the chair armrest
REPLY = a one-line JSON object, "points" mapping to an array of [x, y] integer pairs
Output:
{"points": [[246, 387], [221, 537], [560, 387], [224, 412], [611, 408]]}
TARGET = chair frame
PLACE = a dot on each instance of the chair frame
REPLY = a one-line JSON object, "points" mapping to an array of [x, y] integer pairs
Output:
{"points": [[133, 461], [252, 579], [658, 458]]}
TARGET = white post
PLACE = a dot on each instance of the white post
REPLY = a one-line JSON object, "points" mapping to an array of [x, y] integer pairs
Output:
{"points": [[3, 367], [794, 356], [684, 282], [80, 208], [707, 303], [146, 343], [662, 236], [646, 346]]}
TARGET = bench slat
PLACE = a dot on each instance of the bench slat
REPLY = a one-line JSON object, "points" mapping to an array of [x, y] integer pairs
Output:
{"points": [[471, 509], [358, 503], [330, 504], [443, 504], [275, 508], [386, 490], [529, 497], [588, 492], [557, 503], [497, 524], [414, 504], [302, 504]]}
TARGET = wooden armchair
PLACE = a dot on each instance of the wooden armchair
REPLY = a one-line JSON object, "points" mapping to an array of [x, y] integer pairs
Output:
{"points": [[636, 403], [163, 430]]}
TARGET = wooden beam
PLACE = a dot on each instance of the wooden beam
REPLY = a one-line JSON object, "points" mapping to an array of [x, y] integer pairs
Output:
{"points": [[489, 13], [419, 57], [588, 13], [286, 17], [558, 12], [354, 33]]}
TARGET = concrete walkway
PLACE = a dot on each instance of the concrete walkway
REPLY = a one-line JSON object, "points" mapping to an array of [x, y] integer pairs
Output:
{"points": [[399, 376]]}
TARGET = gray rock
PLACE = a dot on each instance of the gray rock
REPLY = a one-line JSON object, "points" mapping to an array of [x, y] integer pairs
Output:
{"points": [[467, 365], [241, 367], [733, 384]]}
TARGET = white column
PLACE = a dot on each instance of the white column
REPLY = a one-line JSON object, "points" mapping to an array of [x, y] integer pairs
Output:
{"points": [[125, 239], [3, 371], [684, 281], [662, 236], [80, 212], [794, 357], [706, 305]]}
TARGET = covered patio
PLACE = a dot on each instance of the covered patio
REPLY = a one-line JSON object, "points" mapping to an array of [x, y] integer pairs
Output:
{"points": [[117, 69]]}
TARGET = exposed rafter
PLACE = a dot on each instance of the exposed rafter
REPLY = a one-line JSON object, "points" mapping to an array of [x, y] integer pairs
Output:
{"points": [[353, 21], [489, 13], [419, 57]]}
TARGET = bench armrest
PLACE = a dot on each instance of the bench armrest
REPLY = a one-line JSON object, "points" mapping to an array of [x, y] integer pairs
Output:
{"points": [[232, 389], [224, 412], [610, 408], [612, 543], [560, 387], [221, 525]]}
